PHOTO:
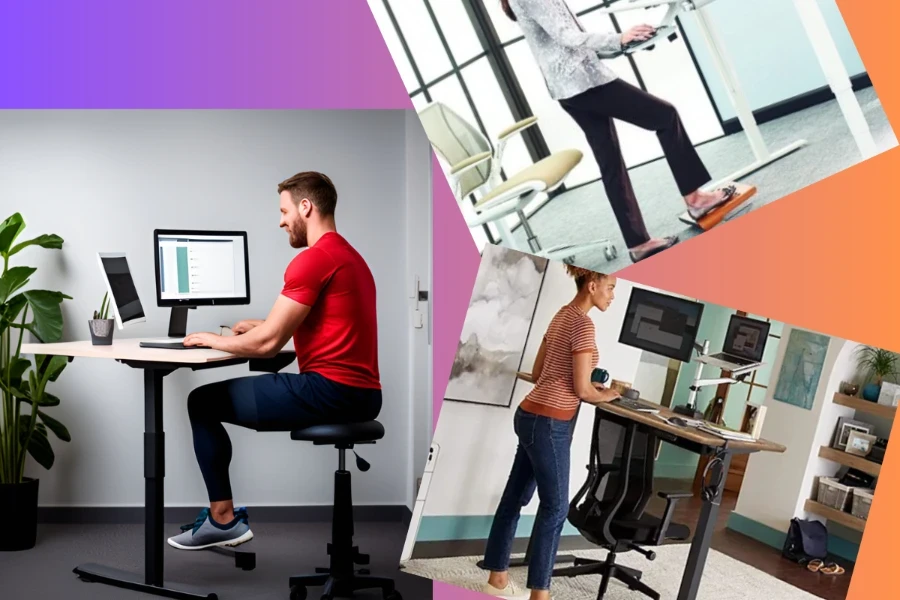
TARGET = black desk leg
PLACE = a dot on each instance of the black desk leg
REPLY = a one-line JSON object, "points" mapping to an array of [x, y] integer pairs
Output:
{"points": [[693, 570], [154, 510]]}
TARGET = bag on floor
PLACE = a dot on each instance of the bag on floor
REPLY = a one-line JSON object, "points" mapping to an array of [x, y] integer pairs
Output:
{"points": [[805, 541]]}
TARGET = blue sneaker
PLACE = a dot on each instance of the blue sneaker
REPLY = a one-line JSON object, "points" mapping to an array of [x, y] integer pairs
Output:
{"points": [[205, 533]]}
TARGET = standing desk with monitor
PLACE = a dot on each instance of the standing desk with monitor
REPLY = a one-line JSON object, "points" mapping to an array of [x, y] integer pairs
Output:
{"points": [[668, 325], [193, 272]]}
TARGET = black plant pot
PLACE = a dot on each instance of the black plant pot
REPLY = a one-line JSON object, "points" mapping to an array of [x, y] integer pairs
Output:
{"points": [[102, 331], [19, 502]]}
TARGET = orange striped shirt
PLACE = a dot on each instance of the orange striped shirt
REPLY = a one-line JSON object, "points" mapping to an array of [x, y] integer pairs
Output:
{"points": [[570, 332]]}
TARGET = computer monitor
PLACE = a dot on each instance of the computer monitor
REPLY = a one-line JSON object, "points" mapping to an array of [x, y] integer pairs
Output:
{"points": [[123, 297], [746, 338], [662, 324], [199, 268]]}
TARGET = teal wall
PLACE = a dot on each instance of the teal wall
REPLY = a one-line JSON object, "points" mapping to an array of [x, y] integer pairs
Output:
{"points": [[774, 538], [768, 47]]}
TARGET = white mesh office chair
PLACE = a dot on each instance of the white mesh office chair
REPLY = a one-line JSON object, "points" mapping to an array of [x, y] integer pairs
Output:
{"points": [[472, 165]]}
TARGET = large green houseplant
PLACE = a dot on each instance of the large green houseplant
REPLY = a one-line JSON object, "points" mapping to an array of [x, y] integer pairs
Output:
{"points": [[24, 422]]}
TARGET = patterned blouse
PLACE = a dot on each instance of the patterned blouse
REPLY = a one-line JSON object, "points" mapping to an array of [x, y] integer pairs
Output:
{"points": [[565, 52]]}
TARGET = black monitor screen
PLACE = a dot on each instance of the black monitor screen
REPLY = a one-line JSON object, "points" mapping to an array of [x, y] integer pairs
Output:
{"points": [[746, 337], [123, 291], [661, 324]]}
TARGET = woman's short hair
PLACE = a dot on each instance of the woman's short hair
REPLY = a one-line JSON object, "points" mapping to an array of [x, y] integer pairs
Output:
{"points": [[583, 276]]}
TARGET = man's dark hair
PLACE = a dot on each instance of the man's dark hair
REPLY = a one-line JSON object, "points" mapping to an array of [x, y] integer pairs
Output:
{"points": [[317, 187]]}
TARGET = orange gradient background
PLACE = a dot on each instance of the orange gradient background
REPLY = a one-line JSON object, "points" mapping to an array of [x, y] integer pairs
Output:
{"points": [[826, 258]]}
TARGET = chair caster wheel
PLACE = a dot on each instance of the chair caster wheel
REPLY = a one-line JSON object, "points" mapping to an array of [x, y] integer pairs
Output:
{"points": [[298, 592], [569, 260], [651, 555], [610, 253], [395, 595]]}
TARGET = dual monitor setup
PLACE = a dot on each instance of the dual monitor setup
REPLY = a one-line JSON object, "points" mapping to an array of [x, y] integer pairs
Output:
{"points": [[668, 326], [193, 268]]}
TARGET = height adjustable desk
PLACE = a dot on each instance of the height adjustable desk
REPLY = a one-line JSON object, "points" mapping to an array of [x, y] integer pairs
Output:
{"points": [[156, 364], [693, 440]]}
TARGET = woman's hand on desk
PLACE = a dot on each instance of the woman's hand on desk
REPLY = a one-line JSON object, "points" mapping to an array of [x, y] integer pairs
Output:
{"points": [[603, 394], [207, 340], [638, 33]]}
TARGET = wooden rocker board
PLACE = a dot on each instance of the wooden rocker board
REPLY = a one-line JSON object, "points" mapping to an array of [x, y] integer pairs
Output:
{"points": [[717, 215]]}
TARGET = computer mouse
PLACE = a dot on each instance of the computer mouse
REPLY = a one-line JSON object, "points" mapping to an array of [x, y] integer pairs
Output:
{"points": [[678, 421]]}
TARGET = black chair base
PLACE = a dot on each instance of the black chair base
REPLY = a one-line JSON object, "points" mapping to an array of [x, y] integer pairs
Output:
{"points": [[608, 569], [342, 587], [341, 579]]}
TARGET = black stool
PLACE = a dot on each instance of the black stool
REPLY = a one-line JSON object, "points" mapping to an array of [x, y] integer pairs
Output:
{"points": [[341, 579]]}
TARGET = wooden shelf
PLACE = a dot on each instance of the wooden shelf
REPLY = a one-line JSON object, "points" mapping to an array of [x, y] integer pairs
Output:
{"points": [[885, 412], [845, 519], [857, 462]]}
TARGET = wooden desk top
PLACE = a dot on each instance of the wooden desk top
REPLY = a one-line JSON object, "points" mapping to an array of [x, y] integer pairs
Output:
{"points": [[129, 349], [688, 433]]}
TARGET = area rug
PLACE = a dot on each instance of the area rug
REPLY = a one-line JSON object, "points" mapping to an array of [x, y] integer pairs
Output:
{"points": [[723, 578]]}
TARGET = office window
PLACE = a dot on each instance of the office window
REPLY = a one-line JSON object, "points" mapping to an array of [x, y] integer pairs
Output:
{"points": [[457, 28], [420, 33]]}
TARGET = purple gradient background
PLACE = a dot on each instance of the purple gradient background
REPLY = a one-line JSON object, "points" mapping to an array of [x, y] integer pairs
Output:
{"points": [[197, 54], [229, 54]]}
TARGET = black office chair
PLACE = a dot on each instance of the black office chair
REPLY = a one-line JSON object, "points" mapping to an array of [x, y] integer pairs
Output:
{"points": [[341, 578], [609, 509]]}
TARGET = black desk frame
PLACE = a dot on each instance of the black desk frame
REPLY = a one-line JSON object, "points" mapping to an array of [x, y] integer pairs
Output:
{"points": [[709, 512], [152, 581]]}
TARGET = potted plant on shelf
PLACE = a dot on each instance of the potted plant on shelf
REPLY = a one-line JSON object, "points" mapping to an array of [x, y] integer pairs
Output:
{"points": [[101, 325], [876, 363], [23, 385]]}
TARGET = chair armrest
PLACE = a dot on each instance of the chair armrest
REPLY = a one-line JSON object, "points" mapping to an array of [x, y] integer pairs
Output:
{"points": [[671, 500], [678, 496], [516, 128], [469, 163]]}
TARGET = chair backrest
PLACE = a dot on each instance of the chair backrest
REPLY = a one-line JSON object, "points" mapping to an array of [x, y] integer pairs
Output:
{"points": [[616, 489], [455, 140]]}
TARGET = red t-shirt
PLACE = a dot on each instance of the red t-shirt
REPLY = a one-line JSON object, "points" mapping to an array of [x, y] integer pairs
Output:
{"points": [[339, 337]]}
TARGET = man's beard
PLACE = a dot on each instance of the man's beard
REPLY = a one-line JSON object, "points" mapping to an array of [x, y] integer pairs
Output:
{"points": [[299, 240]]}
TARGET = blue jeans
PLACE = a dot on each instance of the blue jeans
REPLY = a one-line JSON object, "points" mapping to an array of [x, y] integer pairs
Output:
{"points": [[542, 462]]}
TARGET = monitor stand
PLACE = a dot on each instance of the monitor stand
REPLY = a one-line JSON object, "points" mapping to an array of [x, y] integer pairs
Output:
{"points": [[178, 321]]}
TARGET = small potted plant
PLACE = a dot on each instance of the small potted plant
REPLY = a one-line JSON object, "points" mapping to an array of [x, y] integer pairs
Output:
{"points": [[876, 363], [102, 327]]}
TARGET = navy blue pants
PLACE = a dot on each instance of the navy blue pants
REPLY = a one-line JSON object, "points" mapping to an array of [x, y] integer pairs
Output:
{"points": [[271, 402], [542, 463]]}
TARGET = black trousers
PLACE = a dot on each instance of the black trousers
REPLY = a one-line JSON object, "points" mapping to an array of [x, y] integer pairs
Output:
{"points": [[594, 111]]}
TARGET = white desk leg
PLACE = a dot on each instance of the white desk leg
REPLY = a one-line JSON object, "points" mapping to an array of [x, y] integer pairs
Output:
{"points": [[761, 153], [836, 75]]}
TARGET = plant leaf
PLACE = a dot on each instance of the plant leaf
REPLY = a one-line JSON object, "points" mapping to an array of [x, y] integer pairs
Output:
{"points": [[55, 426], [9, 231], [14, 371], [48, 240], [40, 449], [48, 319], [14, 279], [14, 306], [50, 367], [48, 399]]}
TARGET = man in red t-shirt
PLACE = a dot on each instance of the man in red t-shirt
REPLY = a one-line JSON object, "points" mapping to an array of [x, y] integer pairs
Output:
{"points": [[327, 305]]}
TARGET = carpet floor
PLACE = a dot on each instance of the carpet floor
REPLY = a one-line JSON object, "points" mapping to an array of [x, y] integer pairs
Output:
{"points": [[723, 578], [282, 550], [584, 213]]}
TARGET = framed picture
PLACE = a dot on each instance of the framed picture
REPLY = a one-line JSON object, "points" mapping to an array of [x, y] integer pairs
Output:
{"points": [[801, 368], [845, 427], [496, 327], [860, 444]]}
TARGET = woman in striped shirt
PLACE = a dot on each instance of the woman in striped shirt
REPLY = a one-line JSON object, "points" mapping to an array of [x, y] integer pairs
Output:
{"points": [[543, 423]]}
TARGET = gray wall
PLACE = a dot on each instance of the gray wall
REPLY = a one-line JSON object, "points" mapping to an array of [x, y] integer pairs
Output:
{"points": [[103, 180]]}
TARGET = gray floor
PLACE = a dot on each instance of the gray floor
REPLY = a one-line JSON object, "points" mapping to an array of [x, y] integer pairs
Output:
{"points": [[281, 550], [584, 214]]}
